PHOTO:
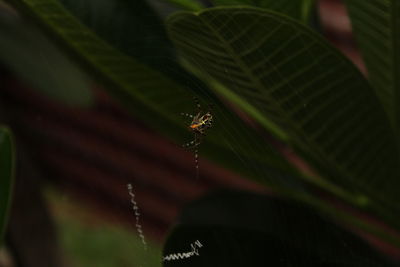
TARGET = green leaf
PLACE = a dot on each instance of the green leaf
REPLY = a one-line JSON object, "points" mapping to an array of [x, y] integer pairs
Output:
{"points": [[297, 9], [132, 27], [137, 31], [376, 25], [33, 58], [158, 100], [7, 158], [244, 229], [281, 72]]}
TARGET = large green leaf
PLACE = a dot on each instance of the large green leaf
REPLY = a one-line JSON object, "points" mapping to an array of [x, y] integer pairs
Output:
{"points": [[244, 229], [298, 9], [158, 100], [376, 25], [279, 71], [131, 27], [137, 31], [33, 58], [6, 176]]}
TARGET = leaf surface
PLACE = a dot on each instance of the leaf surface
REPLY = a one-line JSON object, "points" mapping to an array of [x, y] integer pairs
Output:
{"points": [[276, 69], [31, 56], [158, 100], [131, 27]]}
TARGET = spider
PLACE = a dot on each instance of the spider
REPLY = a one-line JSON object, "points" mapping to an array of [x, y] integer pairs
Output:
{"points": [[200, 123]]}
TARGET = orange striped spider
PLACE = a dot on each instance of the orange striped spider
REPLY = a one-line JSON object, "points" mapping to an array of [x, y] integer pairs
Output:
{"points": [[200, 123]]}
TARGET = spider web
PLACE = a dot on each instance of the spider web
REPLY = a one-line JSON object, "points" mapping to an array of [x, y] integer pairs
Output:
{"points": [[228, 130], [143, 48]]}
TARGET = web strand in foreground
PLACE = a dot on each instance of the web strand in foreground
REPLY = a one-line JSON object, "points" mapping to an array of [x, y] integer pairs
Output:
{"points": [[137, 214], [179, 256]]}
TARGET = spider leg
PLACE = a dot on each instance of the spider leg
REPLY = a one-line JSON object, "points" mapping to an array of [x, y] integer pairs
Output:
{"points": [[190, 144], [187, 115]]}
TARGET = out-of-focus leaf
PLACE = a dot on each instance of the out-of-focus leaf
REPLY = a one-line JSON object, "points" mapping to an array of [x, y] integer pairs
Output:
{"points": [[137, 31], [376, 25], [297, 9], [158, 100], [6, 176], [33, 58], [244, 229], [130, 26], [287, 77]]}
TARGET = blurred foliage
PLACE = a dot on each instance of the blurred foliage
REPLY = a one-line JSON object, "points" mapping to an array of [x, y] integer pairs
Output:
{"points": [[159, 100], [7, 158], [89, 242], [105, 246], [137, 31], [32, 57], [140, 31], [275, 71]]}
